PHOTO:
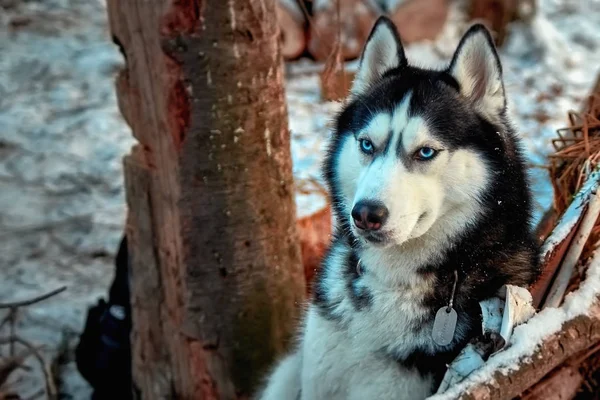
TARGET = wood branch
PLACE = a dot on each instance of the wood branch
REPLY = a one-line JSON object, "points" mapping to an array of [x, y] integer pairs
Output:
{"points": [[562, 384], [10, 364], [420, 19], [37, 299], [335, 80], [565, 381], [314, 231], [292, 26], [557, 244], [50, 389], [150, 358], [336, 86], [576, 336], [218, 280], [546, 224], [561, 282]]}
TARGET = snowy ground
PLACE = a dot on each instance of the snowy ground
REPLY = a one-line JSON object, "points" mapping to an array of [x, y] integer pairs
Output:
{"points": [[62, 139]]}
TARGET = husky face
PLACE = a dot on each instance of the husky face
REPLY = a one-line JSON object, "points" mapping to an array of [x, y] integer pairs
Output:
{"points": [[417, 148]]}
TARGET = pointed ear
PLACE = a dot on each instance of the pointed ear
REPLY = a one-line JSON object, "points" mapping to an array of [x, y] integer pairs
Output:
{"points": [[383, 51], [477, 69]]}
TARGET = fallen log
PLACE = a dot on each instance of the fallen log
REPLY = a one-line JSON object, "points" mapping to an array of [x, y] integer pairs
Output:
{"points": [[420, 19], [562, 385], [335, 80], [357, 18], [292, 24], [497, 14]]}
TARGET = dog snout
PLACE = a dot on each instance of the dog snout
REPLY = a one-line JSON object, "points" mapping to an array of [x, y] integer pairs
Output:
{"points": [[369, 215]]}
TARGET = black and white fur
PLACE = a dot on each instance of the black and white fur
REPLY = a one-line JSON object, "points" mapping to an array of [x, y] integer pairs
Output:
{"points": [[367, 333]]}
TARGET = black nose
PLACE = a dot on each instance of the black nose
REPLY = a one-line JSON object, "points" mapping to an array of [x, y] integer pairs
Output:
{"points": [[369, 215]]}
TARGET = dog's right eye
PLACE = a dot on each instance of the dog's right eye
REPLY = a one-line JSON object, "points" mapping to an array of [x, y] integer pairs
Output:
{"points": [[366, 146]]}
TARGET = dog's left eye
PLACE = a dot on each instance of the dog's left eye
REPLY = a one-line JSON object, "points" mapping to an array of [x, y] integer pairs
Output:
{"points": [[426, 153], [366, 146]]}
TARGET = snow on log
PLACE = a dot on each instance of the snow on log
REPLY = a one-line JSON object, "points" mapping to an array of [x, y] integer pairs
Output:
{"points": [[291, 22], [357, 19], [561, 282], [539, 346], [557, 244], [420, 19]]}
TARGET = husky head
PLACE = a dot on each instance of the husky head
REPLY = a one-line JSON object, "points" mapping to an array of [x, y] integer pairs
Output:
{"points": [[416, 149]]}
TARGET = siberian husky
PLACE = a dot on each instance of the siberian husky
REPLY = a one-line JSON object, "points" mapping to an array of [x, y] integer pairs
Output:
{"points": [[432, 207]]}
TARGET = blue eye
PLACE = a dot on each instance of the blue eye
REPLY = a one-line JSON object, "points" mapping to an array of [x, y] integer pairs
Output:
{"points": [[366, 146], [426, 153]]}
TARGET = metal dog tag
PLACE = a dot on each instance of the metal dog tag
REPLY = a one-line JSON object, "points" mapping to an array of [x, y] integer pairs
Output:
{"points": [[444, 326]]}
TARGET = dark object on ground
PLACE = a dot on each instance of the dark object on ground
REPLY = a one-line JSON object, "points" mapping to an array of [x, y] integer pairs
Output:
{"points": [[103, 355]]}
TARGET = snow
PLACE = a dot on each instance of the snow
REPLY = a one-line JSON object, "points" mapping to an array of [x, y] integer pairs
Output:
{"points": [[527, 338], [61, 141], [62, 138], [572, 214]]}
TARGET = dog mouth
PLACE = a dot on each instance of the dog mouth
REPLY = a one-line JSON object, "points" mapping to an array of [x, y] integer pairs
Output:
{"points": [[378, 239]]}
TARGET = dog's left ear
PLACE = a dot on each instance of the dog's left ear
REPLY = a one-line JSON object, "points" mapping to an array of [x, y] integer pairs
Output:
{"points": [[477, 69], [383, 51]]}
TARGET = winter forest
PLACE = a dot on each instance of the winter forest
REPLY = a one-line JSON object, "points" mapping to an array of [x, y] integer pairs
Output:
{"points": [[165, 217]]}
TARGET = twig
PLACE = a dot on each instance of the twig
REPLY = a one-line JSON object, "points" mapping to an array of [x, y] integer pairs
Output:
{"points": [[10, 231], [24, 303], [51, 391], [11, 364]]}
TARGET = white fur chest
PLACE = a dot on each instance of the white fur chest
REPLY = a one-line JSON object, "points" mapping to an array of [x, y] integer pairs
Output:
{"points": [[349, 349], [394, 321], [338, 364], [394, 317]]}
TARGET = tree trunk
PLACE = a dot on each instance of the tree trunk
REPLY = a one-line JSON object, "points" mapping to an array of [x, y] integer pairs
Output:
{"points": [[217, 280]]}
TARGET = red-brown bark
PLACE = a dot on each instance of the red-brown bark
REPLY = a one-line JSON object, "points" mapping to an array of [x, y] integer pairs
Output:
{"points": [[217, 279]]}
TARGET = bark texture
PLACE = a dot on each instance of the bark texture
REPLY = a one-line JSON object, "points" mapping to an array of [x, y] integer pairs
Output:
{"points": [[575, 337], [217, 273]]}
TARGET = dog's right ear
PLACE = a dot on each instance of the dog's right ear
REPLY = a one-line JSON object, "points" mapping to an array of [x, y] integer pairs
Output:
{"points": [[383, 51]]}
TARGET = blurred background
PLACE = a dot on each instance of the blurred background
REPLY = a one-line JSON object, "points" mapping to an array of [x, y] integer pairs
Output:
{"points": [[62, 137]]}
